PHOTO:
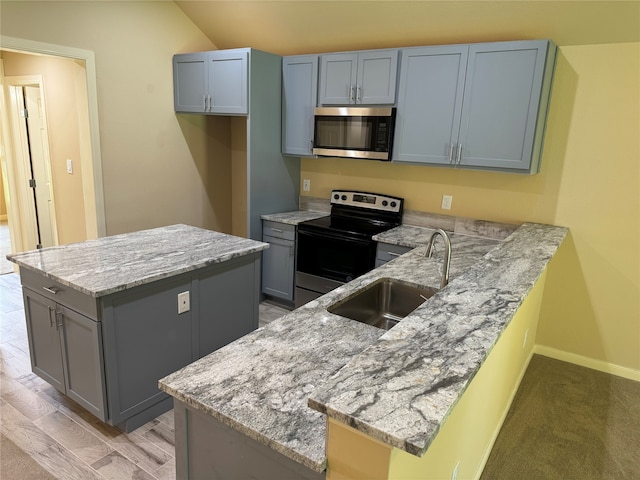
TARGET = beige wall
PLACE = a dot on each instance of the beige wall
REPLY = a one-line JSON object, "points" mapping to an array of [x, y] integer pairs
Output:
{"points": [[159, 168], [3, 204], [64, 143], [589, 182]]}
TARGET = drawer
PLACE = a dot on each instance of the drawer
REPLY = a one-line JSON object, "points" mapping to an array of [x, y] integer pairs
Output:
{"points": [[278, 230], [387, 251], [59, 293]]}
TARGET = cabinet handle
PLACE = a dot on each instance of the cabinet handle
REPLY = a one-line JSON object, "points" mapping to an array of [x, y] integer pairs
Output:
{"points": [[53, 290], [204, 102], [276, 230], [291, 251], [210, 102], [451, 153], [394, 254], [351, 93], [358, 93], [51, 320], [459, 153]]}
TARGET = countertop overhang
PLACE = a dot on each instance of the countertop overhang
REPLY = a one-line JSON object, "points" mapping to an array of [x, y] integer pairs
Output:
{"points": [[110, 264]]}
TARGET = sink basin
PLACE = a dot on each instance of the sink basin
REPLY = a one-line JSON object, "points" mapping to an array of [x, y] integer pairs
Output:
{"points": [[383, 303]]}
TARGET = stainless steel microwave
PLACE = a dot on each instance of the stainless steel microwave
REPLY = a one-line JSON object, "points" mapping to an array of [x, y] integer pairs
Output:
{"points": [[354, 132]]}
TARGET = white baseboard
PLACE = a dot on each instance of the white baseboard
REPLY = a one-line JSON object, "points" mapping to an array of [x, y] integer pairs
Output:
{"points": [[588, 362]]}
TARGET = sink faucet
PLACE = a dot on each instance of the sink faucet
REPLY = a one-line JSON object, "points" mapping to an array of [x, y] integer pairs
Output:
{"points": [[447, 254]]}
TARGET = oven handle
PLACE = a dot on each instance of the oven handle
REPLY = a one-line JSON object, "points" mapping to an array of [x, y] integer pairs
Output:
{"points": [[334, 236]]}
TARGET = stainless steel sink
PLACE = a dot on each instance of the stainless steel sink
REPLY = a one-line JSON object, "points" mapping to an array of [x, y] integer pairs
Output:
{"points": [[383, 303]]}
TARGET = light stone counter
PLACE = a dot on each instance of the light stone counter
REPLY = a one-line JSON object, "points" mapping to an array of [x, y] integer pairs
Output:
{"points": [[294, 217], [118, 262], [262, 384]]}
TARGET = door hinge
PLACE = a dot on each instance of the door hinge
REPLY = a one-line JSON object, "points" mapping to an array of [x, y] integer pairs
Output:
{"points": [[24, 113], [32, 183]]}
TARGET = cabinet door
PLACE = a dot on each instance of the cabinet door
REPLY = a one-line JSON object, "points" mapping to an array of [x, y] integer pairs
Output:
{"points": [[82, 358], [44, 339], [376, 82], [429, 104], [190, 88], [299, 93], [338, 73], [501, 102], [228, 80], [228, 299], [278, 268]]}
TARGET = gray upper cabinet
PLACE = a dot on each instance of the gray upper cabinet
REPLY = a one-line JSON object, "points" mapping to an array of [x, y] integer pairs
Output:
{"points": [[481, 106], [299, 94], [430, 103], [211, 82], [367, 78]]}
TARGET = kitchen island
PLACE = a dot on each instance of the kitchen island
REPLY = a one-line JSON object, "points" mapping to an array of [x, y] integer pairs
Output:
{"points": [[397, 386], [107, 318]]}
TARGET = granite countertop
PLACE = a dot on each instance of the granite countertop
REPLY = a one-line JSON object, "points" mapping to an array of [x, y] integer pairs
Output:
{"points": [[118, 262], [260, 384], [294, 217], [417, 371]]}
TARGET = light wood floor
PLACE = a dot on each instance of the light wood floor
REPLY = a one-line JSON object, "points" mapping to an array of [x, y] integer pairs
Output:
{"points": [[61, 436]]}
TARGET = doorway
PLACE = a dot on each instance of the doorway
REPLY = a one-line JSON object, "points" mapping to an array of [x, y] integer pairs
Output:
{"points": [[32, 172], [85, 163]]}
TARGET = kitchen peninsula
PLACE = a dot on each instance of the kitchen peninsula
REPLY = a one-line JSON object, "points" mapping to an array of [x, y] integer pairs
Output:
{"points": [[396, 388], [107, 318]]}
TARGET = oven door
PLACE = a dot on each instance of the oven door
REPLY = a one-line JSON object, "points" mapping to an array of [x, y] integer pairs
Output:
{"points": [[334, 256]]}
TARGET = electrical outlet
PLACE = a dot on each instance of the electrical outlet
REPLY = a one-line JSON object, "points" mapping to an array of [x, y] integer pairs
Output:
{"points": [[69, 165], [306, 185], [454, 474], [446, 202], [184, 303]]}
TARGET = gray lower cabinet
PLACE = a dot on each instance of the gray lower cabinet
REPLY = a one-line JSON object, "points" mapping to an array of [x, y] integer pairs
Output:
{"points": [[108, 353], [385, 252], [211, 450], [479, 106], [66, 351], [278, 269]]}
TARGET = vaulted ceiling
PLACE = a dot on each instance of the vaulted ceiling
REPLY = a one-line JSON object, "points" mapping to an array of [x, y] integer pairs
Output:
{"points": [[299, 26]]}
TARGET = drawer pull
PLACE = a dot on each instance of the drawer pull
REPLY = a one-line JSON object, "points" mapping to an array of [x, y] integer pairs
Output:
{"points": [[394, 254], [276, 230], [53, 290]]}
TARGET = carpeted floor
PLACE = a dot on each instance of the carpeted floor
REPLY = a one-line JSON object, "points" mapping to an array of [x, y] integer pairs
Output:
{"points": [[569, 423], [16, 464]]}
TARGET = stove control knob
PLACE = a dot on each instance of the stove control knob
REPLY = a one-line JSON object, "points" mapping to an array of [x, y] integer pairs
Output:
{"points": [[344, 197], [385, 203], [336, 196], [393, 204]]}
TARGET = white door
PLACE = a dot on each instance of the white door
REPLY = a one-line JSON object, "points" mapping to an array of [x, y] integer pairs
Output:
{"points": [[40, 165]]}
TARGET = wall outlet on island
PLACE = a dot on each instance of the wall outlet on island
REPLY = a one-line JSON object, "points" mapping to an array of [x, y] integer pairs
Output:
{"points": [[183, 302], [446, 202], [306, 185]]}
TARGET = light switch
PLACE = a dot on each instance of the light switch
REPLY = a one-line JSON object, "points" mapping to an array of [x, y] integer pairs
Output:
{"points": [[69, 165], [446, 202]]}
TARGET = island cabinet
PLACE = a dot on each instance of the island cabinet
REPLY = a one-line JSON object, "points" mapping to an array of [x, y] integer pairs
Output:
{"points": [[66, 347], [479, 106], [367, 77], [279, 260], [299, 96], [211, 82], [108, 352]]}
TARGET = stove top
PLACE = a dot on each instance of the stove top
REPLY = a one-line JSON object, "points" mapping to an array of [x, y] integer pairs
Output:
{"points": [[358, 214]]}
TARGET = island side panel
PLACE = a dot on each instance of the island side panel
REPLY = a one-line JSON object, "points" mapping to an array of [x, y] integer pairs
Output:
{"points": [[145, 338], [206, 448], [225, 302]]}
